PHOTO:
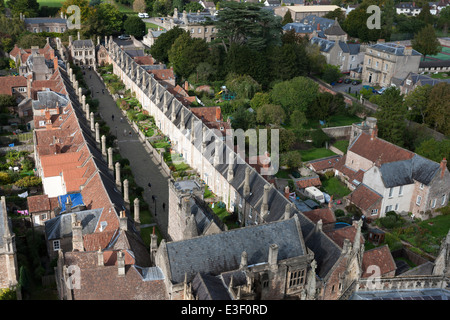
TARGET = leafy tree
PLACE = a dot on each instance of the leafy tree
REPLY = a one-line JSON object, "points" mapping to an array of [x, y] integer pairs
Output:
{"points": [[186, 53], [331, 73], [317, 61], [438, 111], [391, 116], [444, 19], [297, 93], [287, 139], [162, 7], [28, 7], [426, 42], [270, 114], [246, 23], [417, 103], [28, 181], [337, 13], [85, 9], [319, 109], [6, 101], [289, 61], [356, 24], [242, 118], [291, 159], [244, 86], [159, 50], [193, 7], [425, 14], [319, 138], [32, 39], [259, 99], [105, 19], [134, 26], [287, 18]]}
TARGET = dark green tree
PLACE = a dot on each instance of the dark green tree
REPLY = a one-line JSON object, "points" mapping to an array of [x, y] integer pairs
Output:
{"points": [[391, 115], [438, 109], [134, 26], [159, 50], [105, 19], [29, 8], [287, 18], [186, 53], [425, 14], [435, 150], [193, 7], [426, 42], [337, 13], [32, 39], [331, 73]]}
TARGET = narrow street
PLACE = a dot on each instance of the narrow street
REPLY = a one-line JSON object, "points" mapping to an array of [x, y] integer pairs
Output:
{"points": [[145, 169]]}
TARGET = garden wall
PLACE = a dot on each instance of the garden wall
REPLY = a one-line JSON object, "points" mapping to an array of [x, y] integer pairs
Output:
{"points": [[338, 132], [25, 147], [408, 254]]}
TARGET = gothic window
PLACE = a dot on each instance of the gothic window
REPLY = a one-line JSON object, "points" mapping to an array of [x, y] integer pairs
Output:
{"points": [[296, 278], [265, 281]]}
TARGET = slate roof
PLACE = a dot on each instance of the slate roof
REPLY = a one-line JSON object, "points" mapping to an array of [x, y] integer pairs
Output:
{"points": [[434, 64], [44, 20], [61, 226], [324, 44], [392, 48], [86, 43], [335, 29], [351, 48], [207, 287], [298, 27], [407, 171], [217, 253]]}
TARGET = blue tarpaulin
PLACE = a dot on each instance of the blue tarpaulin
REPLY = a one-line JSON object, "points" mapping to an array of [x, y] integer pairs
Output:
{"points": [[76, 199]]}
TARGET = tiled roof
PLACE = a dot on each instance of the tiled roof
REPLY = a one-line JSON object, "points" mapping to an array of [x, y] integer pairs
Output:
{"points": [[143, 60], [324, 214], [381, 257], [7, 83], [378, 149], [308, 182], [40, 203], [323, 164], [207, 114], [364, 197], [339, 235]]}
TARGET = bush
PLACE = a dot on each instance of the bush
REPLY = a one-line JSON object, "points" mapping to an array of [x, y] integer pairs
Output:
{"points": [[319, 138], [8, 294], [29, 181], [339, 213]]}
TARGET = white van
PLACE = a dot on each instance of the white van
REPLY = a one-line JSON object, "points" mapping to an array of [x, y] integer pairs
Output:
{"points": [[315, 193], [143, 15]]}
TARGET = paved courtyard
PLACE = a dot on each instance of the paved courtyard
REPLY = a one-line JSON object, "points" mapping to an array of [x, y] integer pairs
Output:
{"points": [[145, 169]]}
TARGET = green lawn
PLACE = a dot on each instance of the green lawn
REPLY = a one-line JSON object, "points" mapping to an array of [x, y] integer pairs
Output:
{"points": [[342, 145], [315, 153], [342, 120], [439, 225], [51, 3], [335, 188], [149, 25]]}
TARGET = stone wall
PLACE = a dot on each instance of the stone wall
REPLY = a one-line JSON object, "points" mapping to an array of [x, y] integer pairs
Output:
{"points": [[338, 132]]}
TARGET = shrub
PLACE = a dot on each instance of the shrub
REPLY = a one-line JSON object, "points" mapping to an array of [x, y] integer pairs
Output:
{"points": [[28, 181], [4, 178], [319, 138], [339, 213], [8, 294]]}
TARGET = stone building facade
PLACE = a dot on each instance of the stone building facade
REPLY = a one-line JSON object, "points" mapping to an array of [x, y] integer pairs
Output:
{"points": [[9, 272], [82, 51]]}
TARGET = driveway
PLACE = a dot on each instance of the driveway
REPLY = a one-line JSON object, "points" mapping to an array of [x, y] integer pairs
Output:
{"points": [[145, 169], [342, 87]]}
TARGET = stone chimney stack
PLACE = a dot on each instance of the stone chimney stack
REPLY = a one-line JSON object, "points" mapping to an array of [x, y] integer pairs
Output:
{"points": [[120, 263], [110, 159], [87, 110], [319, 225], [247, 182], [118, 180], [374, 133], [78, 35], [92, 122], [265, 203], [68, 204], [104, 145], [217, 152], [153, 247], [100, 261], [97, 131], [126, 198], [77, 235], [287, 211], [230, 172], [273, 256], [443, 165], [123, 221], [137, 219], [244, 261]]}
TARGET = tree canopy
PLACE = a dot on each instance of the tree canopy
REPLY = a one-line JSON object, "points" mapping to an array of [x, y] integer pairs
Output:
{"points": [[160, 49], [426, 41], [134, 26]]}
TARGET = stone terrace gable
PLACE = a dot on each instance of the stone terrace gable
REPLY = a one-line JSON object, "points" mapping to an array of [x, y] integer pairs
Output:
{"points": [[214, 254], [339, 235], [364, 197]]}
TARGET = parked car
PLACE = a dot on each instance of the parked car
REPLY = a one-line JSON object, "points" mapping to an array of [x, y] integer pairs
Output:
{"points": [[340, 80], [370, 88], [355, 82], [143, 15], [347, 81], [124, 37]]}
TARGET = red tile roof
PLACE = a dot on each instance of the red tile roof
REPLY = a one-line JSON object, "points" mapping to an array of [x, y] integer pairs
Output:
{"points": [[381, 257], [364, 197], [7, 83], [308, 182], [325, 164], [339, 235], [378, 150], [143, 60], [96, 240], [324, 214]]}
